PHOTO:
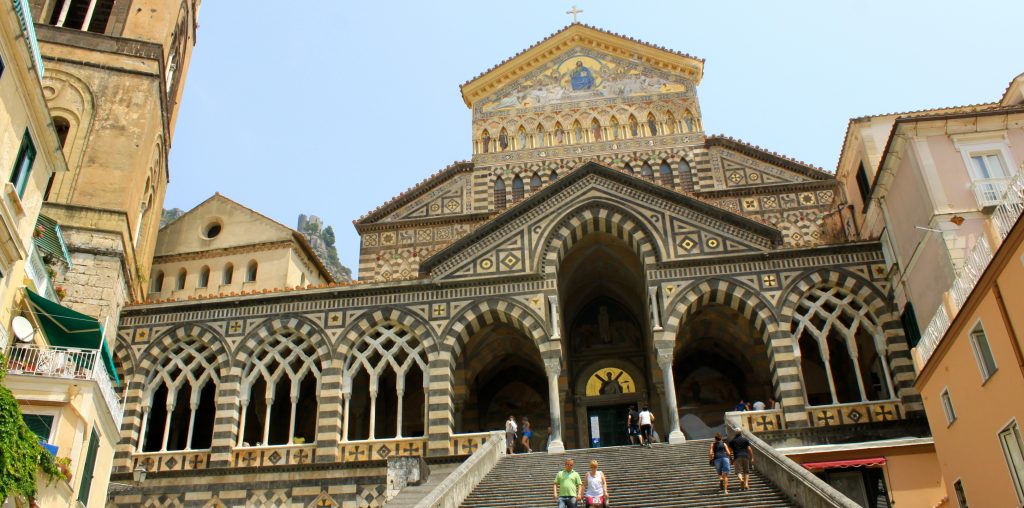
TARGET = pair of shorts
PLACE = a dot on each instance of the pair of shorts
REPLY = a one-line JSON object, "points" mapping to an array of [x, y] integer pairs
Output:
{"points": [[742, 465], [633, 430], [599, 500], [645, 430], [722, 465], [528, 434]]}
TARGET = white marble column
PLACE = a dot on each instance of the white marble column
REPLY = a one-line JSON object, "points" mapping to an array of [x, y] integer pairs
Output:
{"points": [[665, 363], [554, 369]]}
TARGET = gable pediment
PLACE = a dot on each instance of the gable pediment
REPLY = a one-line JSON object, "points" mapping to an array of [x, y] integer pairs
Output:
{"points": [[669, 225], [579, 39], [239, 226], [734, 164]]}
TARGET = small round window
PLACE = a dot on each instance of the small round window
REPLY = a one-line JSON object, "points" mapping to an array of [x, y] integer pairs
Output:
{"points": [[212, 230]]}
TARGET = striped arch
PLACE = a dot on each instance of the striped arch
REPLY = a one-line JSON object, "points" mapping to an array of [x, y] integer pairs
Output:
{"points": [[761, 313], [370, 319], [477, 315], [124, 357], [597, 217], [302, 325], [901, 365], [144, 369]]}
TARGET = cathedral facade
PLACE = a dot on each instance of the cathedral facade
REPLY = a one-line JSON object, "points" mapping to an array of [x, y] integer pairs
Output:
{"points": [[600, 250]]}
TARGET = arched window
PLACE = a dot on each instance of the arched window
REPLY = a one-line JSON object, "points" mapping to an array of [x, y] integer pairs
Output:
{"points": [[553, 176], [665, 171], [616, 129], [690, 124], [842, 349], [179, 399], [180, 282], [595, 130], [684, 167], [535, 183], [279, 390], [634, 127], [538, 137], [559, 134], [250, 271], [485, 141], [577, 133], [228, 275], [503, 139], [384, 385], [63, 127], [500, 195], [158, 282], [204, 277], [652, 125], [646, 172], [670, 123], [627, 169], [521, 138], [517, 189]]}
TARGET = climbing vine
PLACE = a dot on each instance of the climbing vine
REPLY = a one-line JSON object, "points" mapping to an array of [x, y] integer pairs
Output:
{"points": [[22, 455]]}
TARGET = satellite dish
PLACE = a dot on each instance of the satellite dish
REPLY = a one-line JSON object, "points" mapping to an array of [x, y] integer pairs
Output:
{"points": [[23, 329]]}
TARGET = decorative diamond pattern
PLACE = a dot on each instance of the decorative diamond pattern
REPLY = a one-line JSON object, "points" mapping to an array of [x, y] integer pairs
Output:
{"points": [[274, 457]]}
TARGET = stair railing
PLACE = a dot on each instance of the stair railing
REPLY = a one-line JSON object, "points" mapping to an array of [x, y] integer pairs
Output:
{"points": [[800, 485], [461, 482]]}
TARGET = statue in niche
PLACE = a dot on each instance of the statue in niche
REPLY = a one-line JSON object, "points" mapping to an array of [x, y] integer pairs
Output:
{"points": [[522, 140], [615, 128], [634, 128], [503, 140], [581, 78], [559, 135], [652, 126], [610, 385], [579, 133], [486, 142], [689, 123], [603, 328], [597, 132], [539, 137]]}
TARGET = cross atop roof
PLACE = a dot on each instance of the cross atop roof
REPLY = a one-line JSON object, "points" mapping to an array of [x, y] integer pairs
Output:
{"points": [[574, 12]]}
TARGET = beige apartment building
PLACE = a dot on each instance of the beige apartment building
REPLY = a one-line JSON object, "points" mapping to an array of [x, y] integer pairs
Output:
{"points": [[55, 358], [222, 248]]}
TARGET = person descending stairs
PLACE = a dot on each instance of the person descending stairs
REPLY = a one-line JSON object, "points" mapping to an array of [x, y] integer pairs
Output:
{"points": [[661, 476]]}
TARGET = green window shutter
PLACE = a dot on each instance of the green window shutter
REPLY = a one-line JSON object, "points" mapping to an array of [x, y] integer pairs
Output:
{"points": [[910, 328], [23, 164], [40, 425], [87, 471]]}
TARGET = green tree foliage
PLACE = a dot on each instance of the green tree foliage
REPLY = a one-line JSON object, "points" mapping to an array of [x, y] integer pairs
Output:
{"points": [[21, 456]]}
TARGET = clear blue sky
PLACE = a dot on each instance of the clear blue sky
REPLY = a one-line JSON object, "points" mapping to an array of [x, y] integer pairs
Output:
{"points": [[331, 108]]}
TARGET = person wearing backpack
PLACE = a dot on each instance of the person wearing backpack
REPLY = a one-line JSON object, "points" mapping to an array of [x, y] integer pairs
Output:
{"points": [[720, 455]]}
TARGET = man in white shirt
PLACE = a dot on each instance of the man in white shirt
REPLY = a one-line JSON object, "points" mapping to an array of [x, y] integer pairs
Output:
{"points": [[759, 406], [646, 425]]}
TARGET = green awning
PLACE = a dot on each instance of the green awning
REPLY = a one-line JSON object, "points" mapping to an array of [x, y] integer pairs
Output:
{"points": [[68, 328]]}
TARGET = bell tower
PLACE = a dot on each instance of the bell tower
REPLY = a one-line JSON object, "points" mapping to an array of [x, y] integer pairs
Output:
{"points": [[115, 72]]}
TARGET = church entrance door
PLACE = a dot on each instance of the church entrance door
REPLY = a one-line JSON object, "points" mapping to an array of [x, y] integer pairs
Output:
{"points": [[606, 425]]}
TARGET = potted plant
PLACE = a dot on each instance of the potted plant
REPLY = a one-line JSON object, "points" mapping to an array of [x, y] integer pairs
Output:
{"points": [[61, 293], [64, 464]]}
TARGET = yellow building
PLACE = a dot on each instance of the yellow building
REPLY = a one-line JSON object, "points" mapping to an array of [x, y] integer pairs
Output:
{"points": [[54, 356], [221, 247]]}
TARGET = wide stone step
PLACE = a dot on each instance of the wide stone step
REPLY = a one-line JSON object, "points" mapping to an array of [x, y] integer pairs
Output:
{"points": [[661, 476]]}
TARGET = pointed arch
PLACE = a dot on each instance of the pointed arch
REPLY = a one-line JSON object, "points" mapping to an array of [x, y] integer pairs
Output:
{"points": [[503, 140], [596, 215], [485, 141], [522, 139], [596, 133], [646, 172], [559, 135], [538, 137], [518, 190], [366, 321], [665, 174], [553, 176], [670, 123], [535, 182], [500, 195], [471, 318], [652, 125], [628, 169], [633, 129], [578, 134]]}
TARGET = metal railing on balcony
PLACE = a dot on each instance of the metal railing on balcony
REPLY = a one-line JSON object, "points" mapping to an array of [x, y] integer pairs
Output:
{"points": [[989, 192], [36, 270], [1007, 211], [66, 363]]}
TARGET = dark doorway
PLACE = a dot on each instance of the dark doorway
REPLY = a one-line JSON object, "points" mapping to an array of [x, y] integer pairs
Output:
{"points": [[611, 426]]}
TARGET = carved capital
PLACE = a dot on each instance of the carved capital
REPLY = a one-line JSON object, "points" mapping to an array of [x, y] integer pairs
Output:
{"points": [[553, 366], [664, 358]]}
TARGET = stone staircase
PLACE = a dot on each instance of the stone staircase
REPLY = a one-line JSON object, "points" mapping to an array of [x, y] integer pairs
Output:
{"points": [[411, 495], [662, 476]]}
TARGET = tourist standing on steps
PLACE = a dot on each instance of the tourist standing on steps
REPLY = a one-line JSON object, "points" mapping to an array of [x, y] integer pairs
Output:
{"points": [[743, 458], [633, 425], [510, 434], [646, 425], [527, 434], [567, 486], [720, 454], [759, 406], [596, 494]]}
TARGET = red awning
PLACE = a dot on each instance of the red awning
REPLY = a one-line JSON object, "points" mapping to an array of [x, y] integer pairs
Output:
{"points": [[842, 464]]}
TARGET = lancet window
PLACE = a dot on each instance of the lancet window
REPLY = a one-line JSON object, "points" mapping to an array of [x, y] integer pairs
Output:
{"points": [[652, 125], [535, 183], [228, 275], [842, 349], [634, 127], [279, 391], [503, 139], [499, 194], [521, 138], [158, 283], [517, 189], [595, 130], [182, 276], [670, 123], [578, 136], [616, 130], [204, 277], [180, 399], [251, 270], [384, 385], [646, 172], [538, 137], [665, 172]]}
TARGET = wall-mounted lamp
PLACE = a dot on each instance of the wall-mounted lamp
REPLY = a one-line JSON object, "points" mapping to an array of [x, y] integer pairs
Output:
{"points": [[139, 474]]}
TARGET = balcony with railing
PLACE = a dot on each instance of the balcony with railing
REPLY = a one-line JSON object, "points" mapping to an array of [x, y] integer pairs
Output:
{"points": [[66, 363], [989, 191], [1007, 210]]}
